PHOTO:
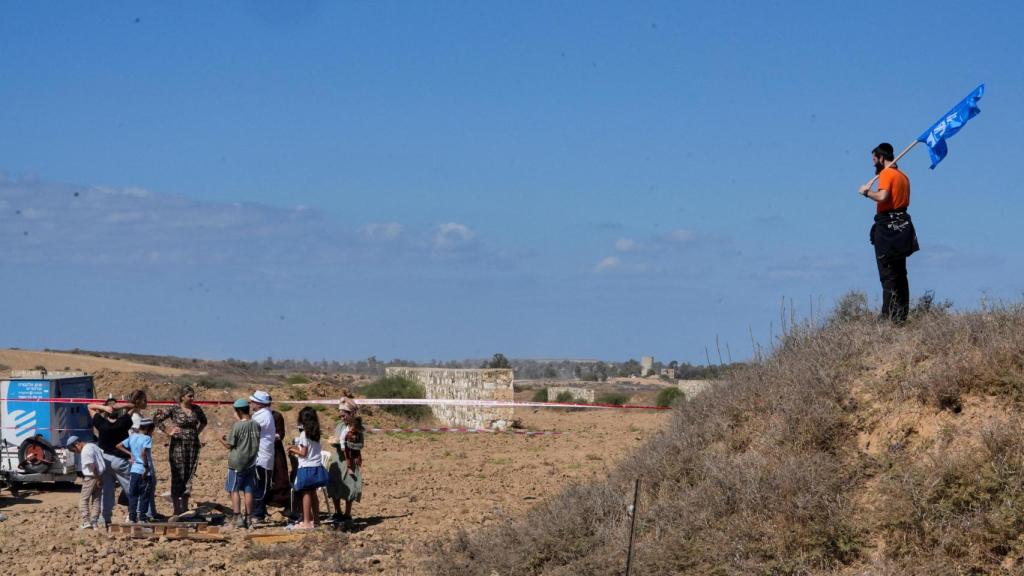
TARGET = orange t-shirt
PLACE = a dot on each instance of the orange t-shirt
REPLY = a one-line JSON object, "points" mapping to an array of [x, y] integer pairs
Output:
{"points": [[898, 185]]}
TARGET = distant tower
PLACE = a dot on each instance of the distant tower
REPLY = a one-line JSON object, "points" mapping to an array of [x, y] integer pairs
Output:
{"points": [[647, 365]]}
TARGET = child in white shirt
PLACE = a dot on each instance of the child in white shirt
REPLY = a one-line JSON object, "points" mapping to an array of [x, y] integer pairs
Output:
{"points": [[311, 473], [93, 466]]}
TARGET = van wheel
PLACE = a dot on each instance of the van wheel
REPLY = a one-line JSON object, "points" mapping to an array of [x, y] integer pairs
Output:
{"points": [[36, 455]]}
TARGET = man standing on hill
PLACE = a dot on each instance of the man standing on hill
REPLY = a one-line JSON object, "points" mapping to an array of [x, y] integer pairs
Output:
{"points": [[893, 233]]}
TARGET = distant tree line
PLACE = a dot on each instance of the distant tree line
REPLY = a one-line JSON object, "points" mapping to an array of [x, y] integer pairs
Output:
{"points": [[588, 370], [529, 369]]}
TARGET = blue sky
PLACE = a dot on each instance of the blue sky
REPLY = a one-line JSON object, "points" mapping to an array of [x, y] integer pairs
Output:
{"points": [[449, 180]]}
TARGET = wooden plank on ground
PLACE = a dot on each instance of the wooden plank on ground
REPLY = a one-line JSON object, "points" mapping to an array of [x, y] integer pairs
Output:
{"points": [[276, 537], [200, 537], [171, 531]]}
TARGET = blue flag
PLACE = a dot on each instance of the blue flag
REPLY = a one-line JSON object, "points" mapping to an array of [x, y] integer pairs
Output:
{"points": [[935, 137]]}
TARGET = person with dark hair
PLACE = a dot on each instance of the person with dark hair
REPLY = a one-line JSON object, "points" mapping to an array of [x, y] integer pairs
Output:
{"points": [[892, 233], [112, 426], [138, 401], [281, 481], [187, 422], [310, 473]]}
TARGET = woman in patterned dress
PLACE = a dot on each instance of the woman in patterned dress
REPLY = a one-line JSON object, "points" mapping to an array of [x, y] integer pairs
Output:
{"points": [[186, 422], [346, 473]]}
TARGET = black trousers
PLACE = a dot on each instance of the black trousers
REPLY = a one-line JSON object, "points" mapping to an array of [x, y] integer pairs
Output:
{"points": [[892, 272]]}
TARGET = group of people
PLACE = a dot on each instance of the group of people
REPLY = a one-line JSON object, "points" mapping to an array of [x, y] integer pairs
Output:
{"points": [[257, 474]]}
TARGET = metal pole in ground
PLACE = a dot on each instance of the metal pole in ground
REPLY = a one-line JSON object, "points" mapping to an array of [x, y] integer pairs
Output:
{"points": [[635, 510]]}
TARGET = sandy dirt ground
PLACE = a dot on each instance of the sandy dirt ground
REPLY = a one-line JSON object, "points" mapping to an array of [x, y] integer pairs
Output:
{"points": [[419, 487], [53, 361]]}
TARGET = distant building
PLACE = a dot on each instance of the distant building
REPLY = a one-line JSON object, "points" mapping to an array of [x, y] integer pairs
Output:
{"points": [[647, 365], [669, 373]]}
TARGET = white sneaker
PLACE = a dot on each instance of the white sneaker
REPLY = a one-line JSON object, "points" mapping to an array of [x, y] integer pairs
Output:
{"points": [[85, 526]]}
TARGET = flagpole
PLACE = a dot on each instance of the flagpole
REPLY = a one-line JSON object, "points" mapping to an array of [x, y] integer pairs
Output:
{"points": [[894, 160]]}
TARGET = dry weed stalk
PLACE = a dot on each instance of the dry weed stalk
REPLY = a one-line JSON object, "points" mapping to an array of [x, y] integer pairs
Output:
{"points": [[761, 474]]}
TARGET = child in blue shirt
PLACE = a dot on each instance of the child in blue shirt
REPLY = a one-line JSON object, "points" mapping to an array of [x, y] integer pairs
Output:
{"points": [[140, 448]]}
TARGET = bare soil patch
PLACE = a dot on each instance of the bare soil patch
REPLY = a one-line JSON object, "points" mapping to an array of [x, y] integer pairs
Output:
{"points": [[419, 487]]}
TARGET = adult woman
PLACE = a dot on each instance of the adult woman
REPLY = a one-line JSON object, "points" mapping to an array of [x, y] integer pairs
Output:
{"points": [[136, 406], [346, 472], [186, 423], [138, 402], [280, 487]]}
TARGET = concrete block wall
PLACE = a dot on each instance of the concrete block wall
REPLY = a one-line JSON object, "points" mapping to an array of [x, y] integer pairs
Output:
{"points": [[578, 394], [464, 384]]}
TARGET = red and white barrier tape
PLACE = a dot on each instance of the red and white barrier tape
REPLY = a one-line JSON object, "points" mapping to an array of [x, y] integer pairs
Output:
{"points": [[463, 431], [45, 428], [370, 402], [374, 431]]}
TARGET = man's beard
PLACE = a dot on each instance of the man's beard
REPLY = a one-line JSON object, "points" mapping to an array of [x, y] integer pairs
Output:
{"points": [[879, 166]]}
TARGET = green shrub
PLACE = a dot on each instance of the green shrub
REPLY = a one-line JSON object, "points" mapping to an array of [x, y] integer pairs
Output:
{"points": [[667, 396], [614, 398], [565, 396], [398, 387], [297, 379], [215, 383], [298, 394], [541, 395], [851, 307], [205, 382], [284, 407]]}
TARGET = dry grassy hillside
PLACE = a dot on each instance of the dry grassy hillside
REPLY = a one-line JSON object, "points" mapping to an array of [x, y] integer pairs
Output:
{"points": [[55, 361], [857, 447]]}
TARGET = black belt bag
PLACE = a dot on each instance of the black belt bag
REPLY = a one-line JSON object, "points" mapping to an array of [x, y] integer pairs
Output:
{"points": [[893, 234]]}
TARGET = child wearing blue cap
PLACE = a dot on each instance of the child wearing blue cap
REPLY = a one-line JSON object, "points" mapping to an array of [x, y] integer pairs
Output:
{"points": [[93, 466], [243, 444]]}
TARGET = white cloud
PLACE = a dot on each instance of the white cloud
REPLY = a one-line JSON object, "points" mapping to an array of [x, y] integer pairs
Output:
{"points": [[60, 223], [118, 217], [681, 236], [627, 245], [452, 235], [608, 264], [659, 254], [44, 222], [382, 231]]}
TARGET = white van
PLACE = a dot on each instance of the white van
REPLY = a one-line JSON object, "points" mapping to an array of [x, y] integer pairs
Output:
{"points": [[35, 427]]}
